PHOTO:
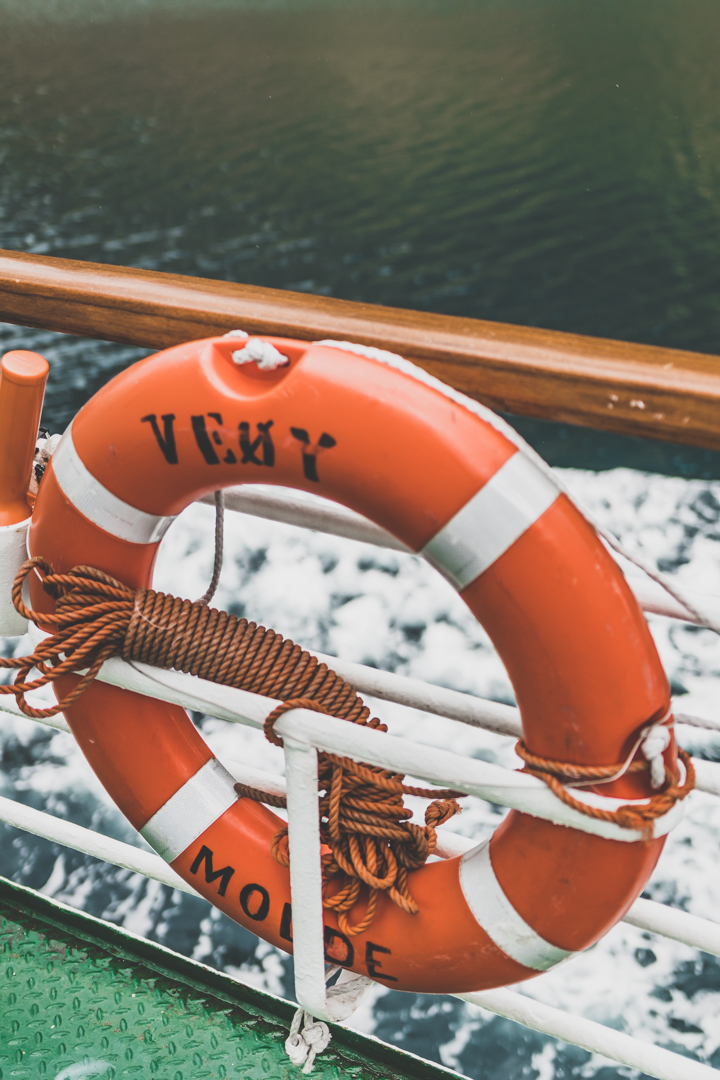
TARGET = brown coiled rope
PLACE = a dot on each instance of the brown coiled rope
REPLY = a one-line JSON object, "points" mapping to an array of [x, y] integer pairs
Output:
{"points": [[364, 823]]}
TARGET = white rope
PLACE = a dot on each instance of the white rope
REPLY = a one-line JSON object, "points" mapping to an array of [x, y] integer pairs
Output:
{"points": [[652, 741], [303, 1046], [44, 449], [262, 353], [655, 741], [401, 364]]}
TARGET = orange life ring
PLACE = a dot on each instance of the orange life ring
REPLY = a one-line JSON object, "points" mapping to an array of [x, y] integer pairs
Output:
{"points": [[432, 468]]}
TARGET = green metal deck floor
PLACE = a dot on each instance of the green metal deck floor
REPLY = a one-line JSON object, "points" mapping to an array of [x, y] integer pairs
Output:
{"points": [[81, 998]]}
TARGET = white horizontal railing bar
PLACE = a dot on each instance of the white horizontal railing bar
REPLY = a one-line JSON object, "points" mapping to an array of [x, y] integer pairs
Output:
{"points": [[649, 915], [490, 782], [453, 704], [437, 700], [707, 776], [412, 693], [475, 711], [691, 930], [479, 712], [307, 511], [703, 934], [9, 705], [246, 774], [313, 512], [427, 697], [597, 1038], [673, 923], [89, 842], [442, 767], [646, 914]]}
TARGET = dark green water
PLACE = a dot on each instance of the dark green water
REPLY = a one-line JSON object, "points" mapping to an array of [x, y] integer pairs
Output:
{"points": [[547, 163]]}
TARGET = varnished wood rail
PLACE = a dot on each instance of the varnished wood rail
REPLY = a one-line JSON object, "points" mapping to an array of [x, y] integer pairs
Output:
{"points": [[634, 389]]}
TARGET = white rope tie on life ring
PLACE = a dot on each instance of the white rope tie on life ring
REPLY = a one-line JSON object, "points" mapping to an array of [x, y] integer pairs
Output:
{"points": [[302, 1047], [262, 353]]}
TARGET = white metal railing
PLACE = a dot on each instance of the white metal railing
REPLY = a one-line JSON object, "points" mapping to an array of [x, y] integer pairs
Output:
{"points": [[592, 1036], [314, 512], [516, 790], [305, 732], [302, 784]]}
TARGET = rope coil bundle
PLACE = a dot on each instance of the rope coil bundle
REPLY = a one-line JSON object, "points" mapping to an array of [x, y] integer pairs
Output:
{"points": [[364, 823]]}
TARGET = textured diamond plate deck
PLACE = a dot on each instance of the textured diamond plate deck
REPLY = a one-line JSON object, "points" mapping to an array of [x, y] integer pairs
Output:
{"points": [[80, 998]]}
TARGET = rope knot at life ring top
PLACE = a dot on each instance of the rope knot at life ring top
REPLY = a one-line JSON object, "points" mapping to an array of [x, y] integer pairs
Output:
{"points": [[442, 474]]}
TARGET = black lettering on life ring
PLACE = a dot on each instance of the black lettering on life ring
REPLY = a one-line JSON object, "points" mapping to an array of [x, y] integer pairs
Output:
{"points": [[263, 442], [331, 954], [166, 439], [205, 439], [247, 893], [372, 964], [310, 452], [286, 922], [229, 457], [205, 855]]}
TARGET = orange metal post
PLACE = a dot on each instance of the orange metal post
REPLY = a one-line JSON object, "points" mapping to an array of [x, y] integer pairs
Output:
{"points": [[22, 388]]}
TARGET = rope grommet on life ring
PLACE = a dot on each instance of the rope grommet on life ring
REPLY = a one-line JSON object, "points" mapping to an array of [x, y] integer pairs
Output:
{"points": [[439, 472]]}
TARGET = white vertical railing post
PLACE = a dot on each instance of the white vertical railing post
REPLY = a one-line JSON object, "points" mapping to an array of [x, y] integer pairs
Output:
{"points": [[301, 775]]}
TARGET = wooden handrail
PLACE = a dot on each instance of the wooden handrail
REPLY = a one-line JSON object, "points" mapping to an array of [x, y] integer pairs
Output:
{"points": [[634, 389]]}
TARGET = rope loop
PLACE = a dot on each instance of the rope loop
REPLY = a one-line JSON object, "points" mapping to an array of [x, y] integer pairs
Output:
{"points": [[560, 775], [367, 837]]}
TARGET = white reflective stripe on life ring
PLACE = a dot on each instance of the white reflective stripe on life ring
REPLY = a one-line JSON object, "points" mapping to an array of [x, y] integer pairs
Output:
{"points": [[191, 810], [99, 505], [501, 511], [498, 918]]}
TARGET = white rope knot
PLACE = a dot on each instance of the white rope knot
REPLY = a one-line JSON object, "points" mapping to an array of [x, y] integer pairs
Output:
{"points": [[302, 1047], [262, 353], [44, 450], [655, 741]]}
